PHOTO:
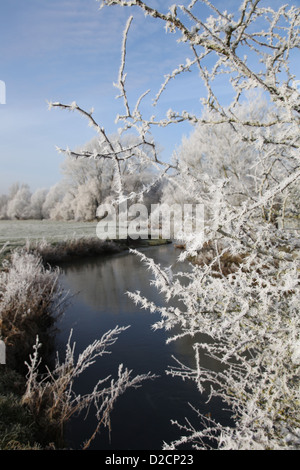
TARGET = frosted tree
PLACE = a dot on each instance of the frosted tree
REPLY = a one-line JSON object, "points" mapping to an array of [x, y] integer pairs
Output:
{"points": [[245, 298], [54, 196], [21, 203], [3, 206], [90, 177], [220, 154], [18, 205], [63, 209], [37, 201]]}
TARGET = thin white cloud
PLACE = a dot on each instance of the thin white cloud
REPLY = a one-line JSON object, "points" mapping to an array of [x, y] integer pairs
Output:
{"points": [[63, 26]]}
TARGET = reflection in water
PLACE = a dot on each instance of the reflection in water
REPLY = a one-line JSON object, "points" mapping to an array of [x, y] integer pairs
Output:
{"points": [[104, 281], [141, 419]]}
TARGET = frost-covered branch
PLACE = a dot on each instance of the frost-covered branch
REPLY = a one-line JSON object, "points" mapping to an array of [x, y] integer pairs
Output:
{"points": [[51, 395], [241, 162]]}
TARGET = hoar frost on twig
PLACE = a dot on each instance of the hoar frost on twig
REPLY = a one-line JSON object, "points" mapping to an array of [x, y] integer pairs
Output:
{"points": [[242, 164], [52, 394]]}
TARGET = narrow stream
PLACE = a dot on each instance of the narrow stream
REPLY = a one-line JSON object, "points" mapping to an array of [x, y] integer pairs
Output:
{"points": [[142, 417]]}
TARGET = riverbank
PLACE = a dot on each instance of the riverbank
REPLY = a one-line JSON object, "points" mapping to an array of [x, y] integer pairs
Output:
{"points": [[30, 302], [17, 233], [58, 241]]}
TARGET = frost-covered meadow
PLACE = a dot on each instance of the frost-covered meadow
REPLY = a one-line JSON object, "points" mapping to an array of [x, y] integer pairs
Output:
{"points": [[17, 232]]}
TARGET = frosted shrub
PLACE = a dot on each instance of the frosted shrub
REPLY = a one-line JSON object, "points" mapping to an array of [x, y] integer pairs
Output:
{"points": [[242, 164], [51, 397], [70, 248], [30, 301], [18, 206]]}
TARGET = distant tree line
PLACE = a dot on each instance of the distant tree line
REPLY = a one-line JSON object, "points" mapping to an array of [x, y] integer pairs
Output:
{"points": [[84, 186]]}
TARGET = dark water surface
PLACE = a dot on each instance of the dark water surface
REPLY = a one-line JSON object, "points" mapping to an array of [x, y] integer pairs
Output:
{"points": [[142, 417]]}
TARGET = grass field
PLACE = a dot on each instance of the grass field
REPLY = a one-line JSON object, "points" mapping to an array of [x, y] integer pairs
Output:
{"points": [[16, 232]]}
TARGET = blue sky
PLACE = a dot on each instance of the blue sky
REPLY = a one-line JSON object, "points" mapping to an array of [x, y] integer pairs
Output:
{"points": [[69, 50]]}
